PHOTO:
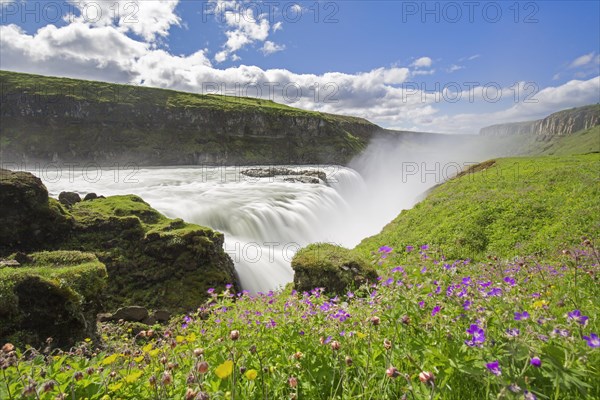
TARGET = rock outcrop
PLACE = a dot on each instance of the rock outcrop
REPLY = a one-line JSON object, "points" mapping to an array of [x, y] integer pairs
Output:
{"points": [[151, 260], [29, 219], [73, 121], [54, 294], [562, 123], [334, 268]]}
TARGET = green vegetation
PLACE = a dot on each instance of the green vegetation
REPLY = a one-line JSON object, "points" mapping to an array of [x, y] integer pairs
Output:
{"points": [[151, 260], [52, 294], [582, 142], [111, 123], [331, 267], [432, 328], [504, 208]]}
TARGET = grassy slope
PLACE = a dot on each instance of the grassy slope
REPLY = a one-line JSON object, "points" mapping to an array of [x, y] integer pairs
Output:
{"points": [[77, 89], [529, 205], [582, 142]]}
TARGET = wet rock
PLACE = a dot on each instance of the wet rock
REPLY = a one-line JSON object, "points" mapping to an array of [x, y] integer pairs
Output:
{"points": [[130, 314], [9, 263], [298, 175], [162, 316], [90, 196], [303, 179], [30, 219], [69, 198]]}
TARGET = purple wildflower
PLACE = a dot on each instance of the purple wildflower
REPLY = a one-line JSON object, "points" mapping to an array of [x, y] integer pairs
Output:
{"points": [[510, 280], [527, 395], [478, 336], [521, 316], [385, 249], [593, 340], [424, 247], [536, 362], [513, 332], [494, 368], [466, 305], [435, 310], [211, 290], [409, 248], [576, 315]]}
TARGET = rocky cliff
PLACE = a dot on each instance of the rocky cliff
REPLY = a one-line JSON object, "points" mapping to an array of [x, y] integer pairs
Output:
{"points": [[151, 260], [561, 123], [66, 120]]}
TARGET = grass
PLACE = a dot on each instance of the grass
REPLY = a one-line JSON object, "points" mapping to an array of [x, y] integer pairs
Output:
{"points": [[431, 328], [504, 208], [582, 142], [50, 294], [102, 92]]}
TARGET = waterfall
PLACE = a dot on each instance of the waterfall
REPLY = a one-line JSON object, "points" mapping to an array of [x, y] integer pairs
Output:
{"points": [[265, 220]]}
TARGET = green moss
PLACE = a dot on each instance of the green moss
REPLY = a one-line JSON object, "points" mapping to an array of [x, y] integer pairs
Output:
{"points": [[152, 260], [508, 207], [55, 295], [331, 267]]}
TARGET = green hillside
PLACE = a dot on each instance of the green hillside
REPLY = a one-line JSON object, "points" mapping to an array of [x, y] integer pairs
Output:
{"points": [[70, 120], [505, 207]]}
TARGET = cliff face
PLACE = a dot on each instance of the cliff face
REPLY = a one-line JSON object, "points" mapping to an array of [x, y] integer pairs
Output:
{"points": [[65, 120], [562, 123]]}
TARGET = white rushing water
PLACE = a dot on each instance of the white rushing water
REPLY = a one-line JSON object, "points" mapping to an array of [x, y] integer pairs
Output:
{"points": [[266, 220]]}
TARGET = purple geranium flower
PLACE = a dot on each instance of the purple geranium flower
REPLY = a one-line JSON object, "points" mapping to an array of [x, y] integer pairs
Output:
{"points": [[478, 336], [593, 340], [536, 362], [529, 396], [521, 316], [385, 249], [494, 368], [576, 315], [510, 280], [512, 332]]}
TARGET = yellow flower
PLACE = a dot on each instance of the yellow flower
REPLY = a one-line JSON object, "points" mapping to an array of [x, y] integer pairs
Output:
{"points": [[540, 303], [251, 374], [87, 340], [225, 369]]}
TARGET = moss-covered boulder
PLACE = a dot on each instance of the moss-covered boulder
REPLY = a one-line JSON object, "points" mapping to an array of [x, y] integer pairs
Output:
{"points": [[334, 268], [151, 260], [29, 220], [55, 294]]}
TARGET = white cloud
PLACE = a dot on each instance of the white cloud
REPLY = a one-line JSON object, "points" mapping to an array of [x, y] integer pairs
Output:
{"points": [[582, 60], [423, 62], [454, 68], [423, 72], [243, 28], [106, 53], [270, 47], [277, 26], [147, 19]]}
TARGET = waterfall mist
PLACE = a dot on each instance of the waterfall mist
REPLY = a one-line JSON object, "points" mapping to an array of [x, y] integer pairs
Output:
{"points": [[266, 220]]}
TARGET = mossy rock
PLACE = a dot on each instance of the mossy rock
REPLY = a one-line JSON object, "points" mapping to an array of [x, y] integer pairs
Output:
{"points": [[29, 219], [56, 294], [151, 260], [332, 267]]}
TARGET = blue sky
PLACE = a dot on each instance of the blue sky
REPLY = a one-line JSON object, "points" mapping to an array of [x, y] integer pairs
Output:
{"points": [[388, 61]]}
